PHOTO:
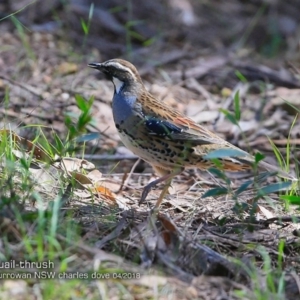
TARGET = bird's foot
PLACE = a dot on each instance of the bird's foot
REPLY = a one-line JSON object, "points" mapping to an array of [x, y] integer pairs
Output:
{"points": [[148, 187], [147, 190]]}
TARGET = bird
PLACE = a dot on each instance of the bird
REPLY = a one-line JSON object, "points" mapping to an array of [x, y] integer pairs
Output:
{"points": [[162, 136]]}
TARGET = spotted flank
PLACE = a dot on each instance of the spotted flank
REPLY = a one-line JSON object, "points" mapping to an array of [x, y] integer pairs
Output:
{"points": [[161, 128]]}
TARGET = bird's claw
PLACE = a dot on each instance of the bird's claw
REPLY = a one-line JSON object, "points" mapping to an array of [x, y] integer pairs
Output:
{"points": [[146, 191]]}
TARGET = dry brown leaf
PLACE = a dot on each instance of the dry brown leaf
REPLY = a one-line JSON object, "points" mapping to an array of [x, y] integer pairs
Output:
{"points": [[83, 194], [167, 223], [170, 229], [95, 176], [268, 214], [71, 164], [81, 178], [282, 94], [66, 68], [113, 186], [27, 145], [104, 191]]}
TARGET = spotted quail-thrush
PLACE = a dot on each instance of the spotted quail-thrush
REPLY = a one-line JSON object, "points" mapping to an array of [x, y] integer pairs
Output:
{"points": [[160, 135]]}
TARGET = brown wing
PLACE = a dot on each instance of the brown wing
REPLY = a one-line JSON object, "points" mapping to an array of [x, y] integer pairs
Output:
{"points": [[189, 129], [203, 140]]}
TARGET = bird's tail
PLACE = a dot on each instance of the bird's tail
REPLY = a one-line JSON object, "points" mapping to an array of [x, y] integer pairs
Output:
{"points": [[281, 173]]}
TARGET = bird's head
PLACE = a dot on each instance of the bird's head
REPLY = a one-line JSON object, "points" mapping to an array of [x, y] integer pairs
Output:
{"points": [[121, 72]]}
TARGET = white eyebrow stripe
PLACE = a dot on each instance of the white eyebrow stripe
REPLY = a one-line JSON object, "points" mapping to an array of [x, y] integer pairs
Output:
{"points": [[120, 66]]}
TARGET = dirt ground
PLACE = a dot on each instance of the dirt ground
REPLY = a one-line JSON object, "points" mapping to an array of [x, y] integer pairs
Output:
{"points": [[195, 56]]}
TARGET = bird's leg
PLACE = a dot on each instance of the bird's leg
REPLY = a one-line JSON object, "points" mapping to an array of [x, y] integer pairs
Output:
{"points": [[167, 177], [163, 193], [151, 185]]}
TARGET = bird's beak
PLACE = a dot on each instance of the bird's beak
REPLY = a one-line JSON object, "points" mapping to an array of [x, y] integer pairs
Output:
{"points": [[97, 66]]}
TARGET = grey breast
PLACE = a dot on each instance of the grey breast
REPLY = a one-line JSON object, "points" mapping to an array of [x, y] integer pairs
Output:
{"points": [[125, 113]]}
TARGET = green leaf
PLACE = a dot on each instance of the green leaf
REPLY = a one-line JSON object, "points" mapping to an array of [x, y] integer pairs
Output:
{"points": [[225, 153], [217, 163], [132, 23], [215, 192], [81, 103], [240, 208], [59, 145], [273, 188], [88, 137], [291, 105], [68, 120], [84, 26], [219, 174], [291, 198], [264, 176], [136, 35], [149, 42], [258, 157], [237, 106], [278, 154], [240, 76], [83, 120], [90, 101], [117, 9], [91, 12], [243, 187], [216, 172], [229, 116]]}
